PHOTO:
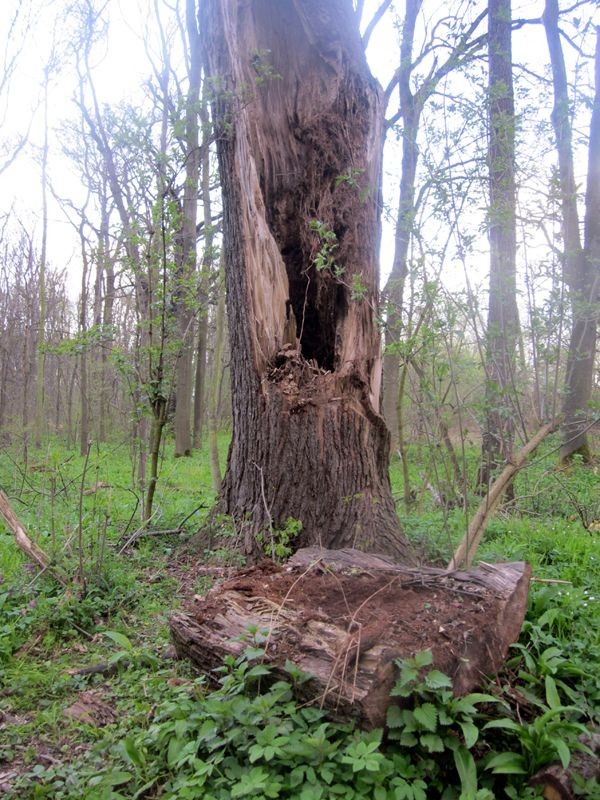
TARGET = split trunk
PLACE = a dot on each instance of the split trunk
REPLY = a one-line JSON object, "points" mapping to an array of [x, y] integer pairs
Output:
{"points": [[299, 124]]}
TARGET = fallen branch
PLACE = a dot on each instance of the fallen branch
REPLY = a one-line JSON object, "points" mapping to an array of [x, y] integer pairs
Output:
{"points": [[23, 542], [465, 552]]}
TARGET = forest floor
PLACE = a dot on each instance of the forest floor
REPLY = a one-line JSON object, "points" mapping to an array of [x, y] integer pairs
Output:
{"points": [[87, 676]]}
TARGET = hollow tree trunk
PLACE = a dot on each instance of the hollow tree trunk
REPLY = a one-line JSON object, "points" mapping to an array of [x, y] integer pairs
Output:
{"points": [[299, 130]]}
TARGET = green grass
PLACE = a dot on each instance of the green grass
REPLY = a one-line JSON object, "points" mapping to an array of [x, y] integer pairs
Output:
{"points": [[47, 632]]}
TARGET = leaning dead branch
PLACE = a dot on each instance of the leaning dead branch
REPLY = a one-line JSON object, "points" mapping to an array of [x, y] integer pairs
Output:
{"points": [[465, 552], [33, 551]]}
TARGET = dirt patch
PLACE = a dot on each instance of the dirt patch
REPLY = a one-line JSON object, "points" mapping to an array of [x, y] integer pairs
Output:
{"points": [[412, 618]]}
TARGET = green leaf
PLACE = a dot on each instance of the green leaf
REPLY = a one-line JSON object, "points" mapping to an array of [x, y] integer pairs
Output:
{"points": [[175, 747], [133, 752], [120, 639], [424, 658], [426, 715], [506, 724], [437, 680], [432, 742], [257, 671], [252, 653], [116, 778], [563, 751], [470, 733], [467, 771], [507, 764], [552, 696]]}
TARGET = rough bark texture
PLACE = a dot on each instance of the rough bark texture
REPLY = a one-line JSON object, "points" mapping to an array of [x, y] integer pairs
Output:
{"points": [[503, 315], [344, 616], [299, 129]]}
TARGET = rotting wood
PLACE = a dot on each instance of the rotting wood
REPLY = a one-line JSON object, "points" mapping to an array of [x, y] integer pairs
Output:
{"points": [[465, 552], [345, 616], [33, 551]]}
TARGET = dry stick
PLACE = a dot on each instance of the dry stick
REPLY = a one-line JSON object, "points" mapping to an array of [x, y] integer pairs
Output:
{"points": [[24, 543], [465, 552]]}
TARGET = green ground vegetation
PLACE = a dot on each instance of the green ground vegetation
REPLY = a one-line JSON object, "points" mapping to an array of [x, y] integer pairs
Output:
{"points": [[171, 736]]}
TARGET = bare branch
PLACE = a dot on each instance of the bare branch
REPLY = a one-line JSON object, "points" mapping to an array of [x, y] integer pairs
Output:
{"points": [[373, 23]]}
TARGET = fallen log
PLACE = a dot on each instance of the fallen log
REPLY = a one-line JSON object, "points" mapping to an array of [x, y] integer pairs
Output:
{"points": [[344, 616]]}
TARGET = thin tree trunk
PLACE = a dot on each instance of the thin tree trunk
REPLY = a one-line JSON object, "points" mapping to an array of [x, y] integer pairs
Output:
{"points": [[215, 388], [185, 312], [159, 417], [309, 441], [207, 261], [41, 341], [503, 318], [411, 105], [581, 265]]}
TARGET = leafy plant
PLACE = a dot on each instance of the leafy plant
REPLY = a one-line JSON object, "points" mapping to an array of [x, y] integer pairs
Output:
{"points": [[436, 722]]}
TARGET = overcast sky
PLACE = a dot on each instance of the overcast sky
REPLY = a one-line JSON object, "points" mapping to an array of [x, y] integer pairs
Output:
{"points": [[120, 69]]}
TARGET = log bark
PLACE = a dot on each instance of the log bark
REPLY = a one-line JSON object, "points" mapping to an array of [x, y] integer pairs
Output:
{"points": [[299, 129], [344, 617]]}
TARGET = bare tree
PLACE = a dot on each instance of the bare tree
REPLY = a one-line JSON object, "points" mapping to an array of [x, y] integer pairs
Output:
{"points": [[414, 91]]}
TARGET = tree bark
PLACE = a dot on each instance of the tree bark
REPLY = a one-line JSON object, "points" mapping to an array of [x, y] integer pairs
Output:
{"points": [[205, 275], [299, 128], [214, 391], [503, 315]]}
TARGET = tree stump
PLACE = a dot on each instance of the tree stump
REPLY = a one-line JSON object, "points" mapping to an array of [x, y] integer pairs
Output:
{"points": [[344, 616]]}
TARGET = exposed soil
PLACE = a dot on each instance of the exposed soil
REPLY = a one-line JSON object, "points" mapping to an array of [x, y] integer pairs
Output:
{"points": [[409, 618]]}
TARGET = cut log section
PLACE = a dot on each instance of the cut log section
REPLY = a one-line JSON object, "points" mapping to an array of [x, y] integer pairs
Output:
{"points": [[343, 616]]}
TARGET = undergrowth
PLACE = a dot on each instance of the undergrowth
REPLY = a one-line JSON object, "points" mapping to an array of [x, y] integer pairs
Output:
{"points": [[174, 736]]}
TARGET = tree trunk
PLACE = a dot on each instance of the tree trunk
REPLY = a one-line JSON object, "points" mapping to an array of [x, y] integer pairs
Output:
{"points": [[185, 310], [205, 275], [343, 617], [215, 391], [299, 132], [40, 398], [412, 106], [503, 315], [583, 278]]}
